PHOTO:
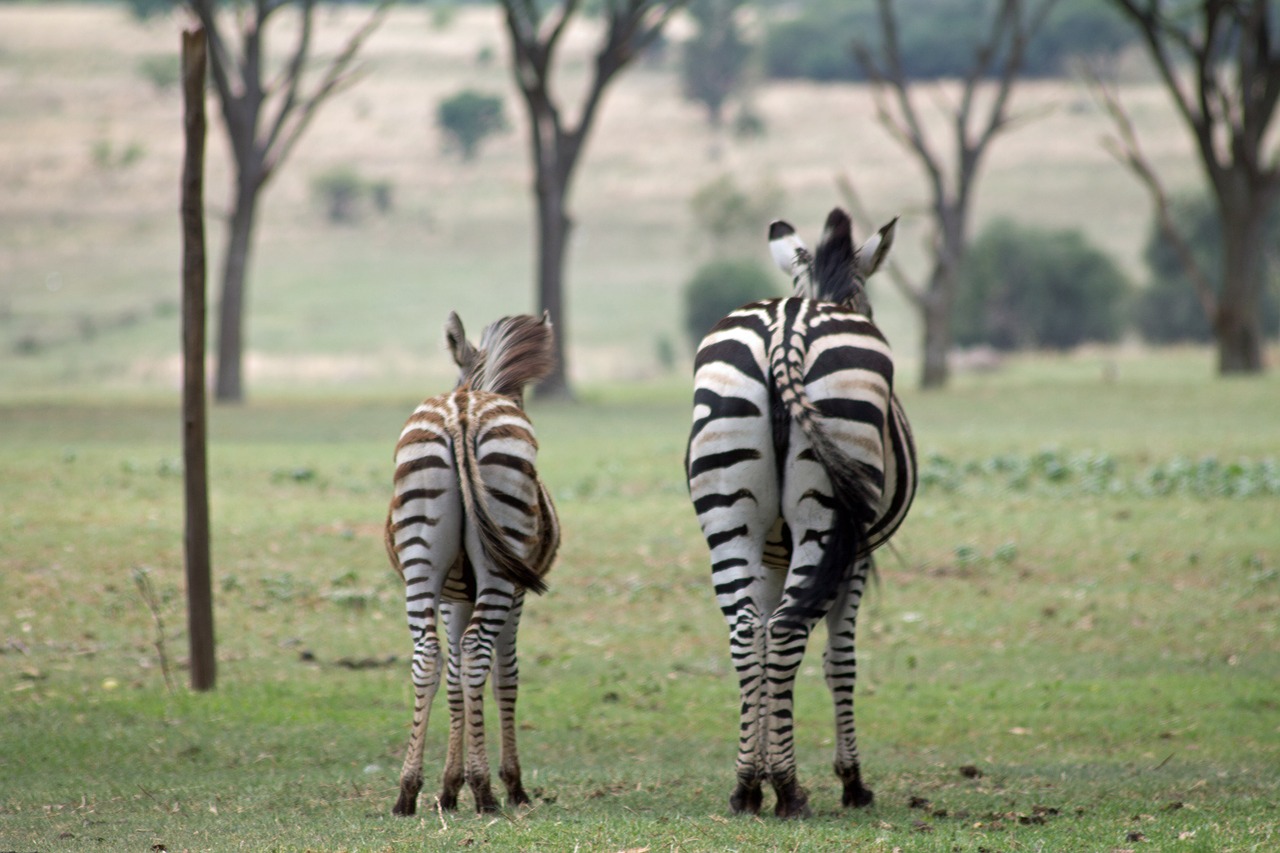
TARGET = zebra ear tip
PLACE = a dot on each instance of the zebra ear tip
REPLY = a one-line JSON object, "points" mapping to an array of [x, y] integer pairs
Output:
{"points": [[779, 229]]}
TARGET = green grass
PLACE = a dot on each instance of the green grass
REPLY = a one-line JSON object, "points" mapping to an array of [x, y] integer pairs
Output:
{"points": [[1105, 659]]}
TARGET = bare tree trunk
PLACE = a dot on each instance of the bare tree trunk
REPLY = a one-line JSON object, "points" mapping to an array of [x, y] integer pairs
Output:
{"points": [[554, 226], [936, 314], [975, 122], [194, 432], [1228, 103], [264, 119], [535, 30], [229, 384], [1238, 324]]}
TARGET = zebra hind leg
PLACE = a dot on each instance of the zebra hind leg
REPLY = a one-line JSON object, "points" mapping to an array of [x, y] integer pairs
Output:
{"points": [[786, 642], [506, 683], [426, 680], [456, 616], [477, 661], [840, 668], [746, 647]]}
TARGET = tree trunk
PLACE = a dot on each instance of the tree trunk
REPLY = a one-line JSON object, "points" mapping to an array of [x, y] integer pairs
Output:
{"points": [[940, 296], [229, 384], [1238, 324], [936, 313], [553, 239]]}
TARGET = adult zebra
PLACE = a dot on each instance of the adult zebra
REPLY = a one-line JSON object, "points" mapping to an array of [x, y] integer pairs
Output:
{"points": [[800, 463], [470, 528]]}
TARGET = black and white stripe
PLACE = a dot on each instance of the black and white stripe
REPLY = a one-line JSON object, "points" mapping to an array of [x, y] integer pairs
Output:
{"points": [[800, 464], [470, 528]]}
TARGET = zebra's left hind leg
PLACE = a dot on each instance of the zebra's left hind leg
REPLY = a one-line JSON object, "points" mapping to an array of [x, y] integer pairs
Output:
{"points": [[456, 616], [840, 667]]}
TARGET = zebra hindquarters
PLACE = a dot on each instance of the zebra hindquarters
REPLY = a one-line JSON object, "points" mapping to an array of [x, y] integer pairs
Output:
{"points": [[424, 538]]}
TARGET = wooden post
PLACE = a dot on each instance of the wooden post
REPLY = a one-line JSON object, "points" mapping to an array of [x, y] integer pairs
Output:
{"points": [[194, 432]]}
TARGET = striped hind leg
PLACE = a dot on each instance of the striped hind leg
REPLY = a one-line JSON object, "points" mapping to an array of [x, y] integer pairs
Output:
{"points": [[422, 601], [786, 635], [840, 667], [456, 616], [477, 647], [746, 591], [506, 683], [810, 518]]}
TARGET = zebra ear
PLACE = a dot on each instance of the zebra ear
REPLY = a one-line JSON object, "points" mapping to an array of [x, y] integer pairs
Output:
{"points": [[464, 354], [873, 252], [788, 250]]}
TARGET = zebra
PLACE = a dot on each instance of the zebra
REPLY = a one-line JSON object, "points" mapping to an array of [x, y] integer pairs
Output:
{"points": [[469, 529], [800, 463]]}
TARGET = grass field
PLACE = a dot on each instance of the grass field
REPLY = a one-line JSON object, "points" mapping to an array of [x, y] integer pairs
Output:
{"points": [[1082, 614], [1074, 645]]}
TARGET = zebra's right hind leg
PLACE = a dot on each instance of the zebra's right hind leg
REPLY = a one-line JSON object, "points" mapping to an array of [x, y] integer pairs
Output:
{"points": [[506, 684], [840, 667]]}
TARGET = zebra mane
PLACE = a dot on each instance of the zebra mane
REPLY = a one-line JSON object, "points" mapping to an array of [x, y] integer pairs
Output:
{"points": [[513, 352], [836, 277]]}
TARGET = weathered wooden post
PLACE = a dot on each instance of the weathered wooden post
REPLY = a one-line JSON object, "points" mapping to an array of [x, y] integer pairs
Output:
{"points": [[194, 418]]}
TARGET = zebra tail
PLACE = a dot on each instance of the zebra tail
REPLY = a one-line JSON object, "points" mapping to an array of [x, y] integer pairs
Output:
{"points": [[493, 540], [852, 484], [516, 351]]}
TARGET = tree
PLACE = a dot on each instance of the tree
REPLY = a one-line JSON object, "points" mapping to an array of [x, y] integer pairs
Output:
{"points": [[264, 120], [469, 117], [535, 29], [976, 119], [1227, 100], [1168, 310], [1025, 288], [715, 58]]}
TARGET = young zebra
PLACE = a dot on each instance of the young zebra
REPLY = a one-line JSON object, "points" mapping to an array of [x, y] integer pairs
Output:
{"points": [[800, 463], [470, 528]]}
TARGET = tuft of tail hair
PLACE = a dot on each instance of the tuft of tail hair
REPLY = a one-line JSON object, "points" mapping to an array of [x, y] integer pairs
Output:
{"points": [[513, 352], [852, 483]]}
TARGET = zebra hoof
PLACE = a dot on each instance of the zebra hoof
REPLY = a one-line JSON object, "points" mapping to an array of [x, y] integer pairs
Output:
{"points": [[793, 806], [745, 800], [856, 796], [406, 805]]}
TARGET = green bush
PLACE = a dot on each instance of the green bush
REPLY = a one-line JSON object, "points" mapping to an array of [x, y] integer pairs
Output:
{"points": [[938, 38], [468, 118], [1027, 288], [1168, 309], [342, 190], [719, 287]]}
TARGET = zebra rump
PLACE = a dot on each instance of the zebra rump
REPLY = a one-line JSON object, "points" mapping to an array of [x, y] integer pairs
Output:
{"points": [[513, 352]]}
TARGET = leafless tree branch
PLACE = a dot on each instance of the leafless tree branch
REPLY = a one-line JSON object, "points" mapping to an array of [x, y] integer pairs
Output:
{"points": [[1128, 152], [913, 293]]}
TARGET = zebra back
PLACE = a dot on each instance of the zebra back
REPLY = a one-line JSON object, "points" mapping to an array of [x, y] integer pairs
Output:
{"points": [[481, 424]]}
